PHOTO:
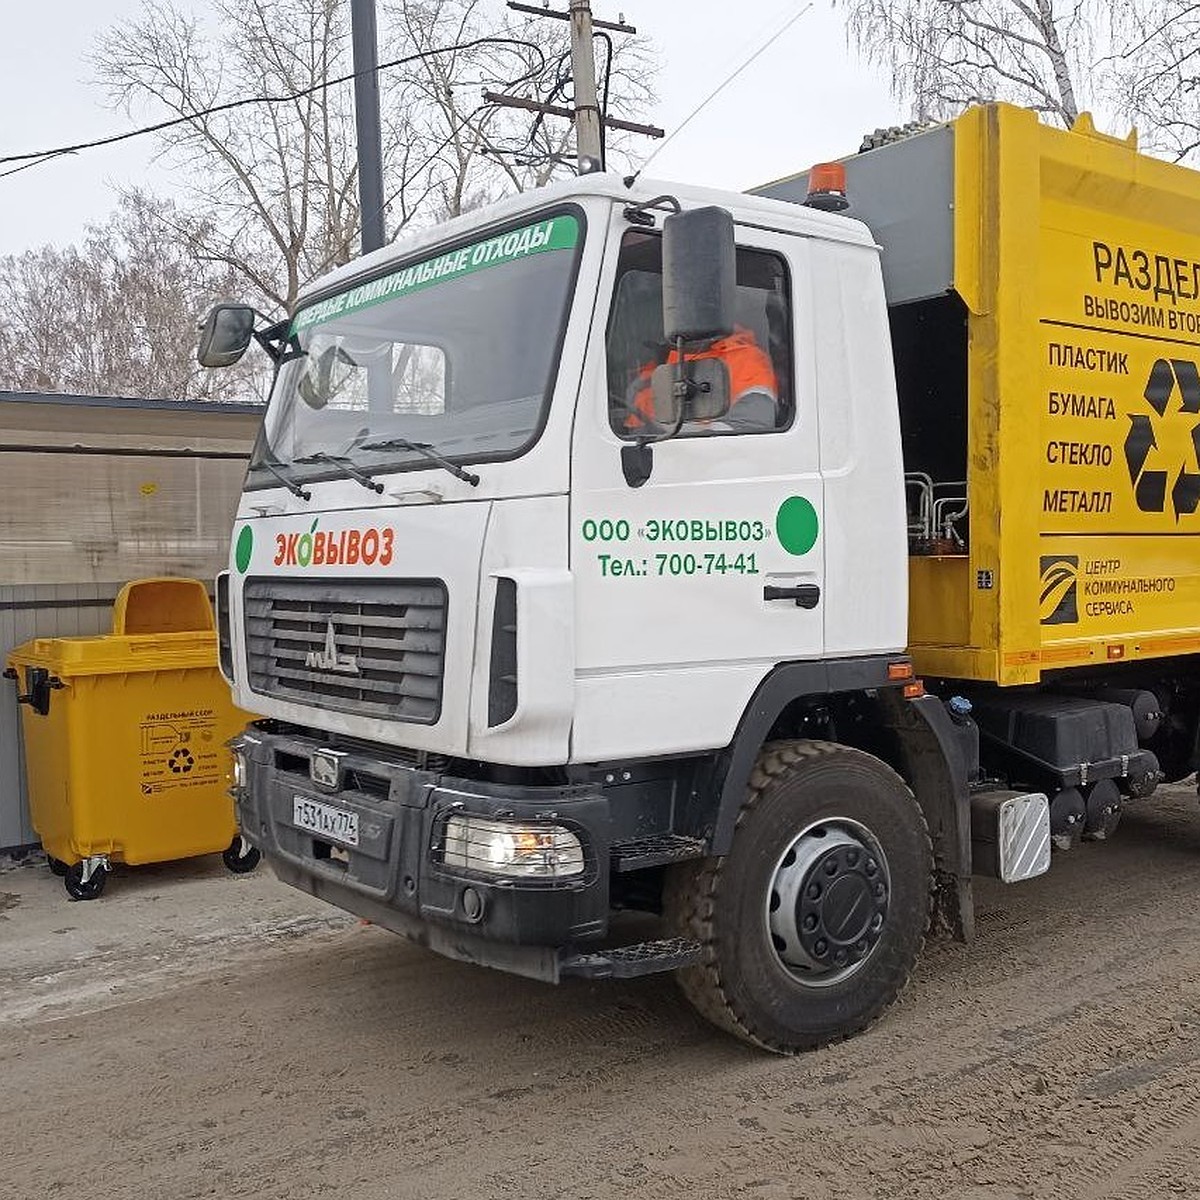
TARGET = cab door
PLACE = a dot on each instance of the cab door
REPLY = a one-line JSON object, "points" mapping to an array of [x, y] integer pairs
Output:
{"points": [[692, 585]]}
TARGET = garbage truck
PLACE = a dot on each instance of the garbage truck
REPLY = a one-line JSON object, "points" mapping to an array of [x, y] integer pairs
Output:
{"points": [[768, 565]]}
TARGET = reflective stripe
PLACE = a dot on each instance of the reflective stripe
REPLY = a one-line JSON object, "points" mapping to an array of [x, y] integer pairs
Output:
{"points": [[750, 372]]}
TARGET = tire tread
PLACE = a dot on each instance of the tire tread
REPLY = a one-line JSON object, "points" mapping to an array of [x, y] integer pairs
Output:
{"points": [[691, 896]]}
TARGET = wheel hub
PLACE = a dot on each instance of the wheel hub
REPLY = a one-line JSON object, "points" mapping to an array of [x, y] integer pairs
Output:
{"points": [[828, 902]]}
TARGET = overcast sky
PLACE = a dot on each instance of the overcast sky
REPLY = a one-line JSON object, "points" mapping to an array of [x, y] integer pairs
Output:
{"points": [[807, 98]]}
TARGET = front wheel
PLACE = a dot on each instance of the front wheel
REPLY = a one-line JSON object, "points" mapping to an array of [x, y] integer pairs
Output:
{"points": [[812, 923]]}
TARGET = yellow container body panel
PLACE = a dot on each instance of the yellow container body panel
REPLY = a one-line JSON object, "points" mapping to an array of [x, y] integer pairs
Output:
{"points": [[1078, 260], [130, 759]]}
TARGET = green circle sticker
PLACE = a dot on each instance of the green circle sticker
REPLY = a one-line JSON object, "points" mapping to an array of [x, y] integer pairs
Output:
{"points": [[796, 525], [245, 548]]}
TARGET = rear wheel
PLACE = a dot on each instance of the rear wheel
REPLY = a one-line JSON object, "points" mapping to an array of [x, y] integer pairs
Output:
{"points": [[56, 865], [812, 923]]}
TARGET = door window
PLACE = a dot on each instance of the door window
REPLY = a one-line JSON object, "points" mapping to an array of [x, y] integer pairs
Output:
{"points": [[758, 353]]}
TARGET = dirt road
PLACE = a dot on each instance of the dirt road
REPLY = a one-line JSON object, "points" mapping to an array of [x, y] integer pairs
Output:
{"points": [[192, 1034]]}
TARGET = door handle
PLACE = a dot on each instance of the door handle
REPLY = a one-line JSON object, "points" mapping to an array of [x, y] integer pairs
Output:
{"points": [[806, 595]]}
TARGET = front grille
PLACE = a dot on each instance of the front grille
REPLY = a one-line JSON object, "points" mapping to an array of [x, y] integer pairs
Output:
{"points": [[385, 658]]}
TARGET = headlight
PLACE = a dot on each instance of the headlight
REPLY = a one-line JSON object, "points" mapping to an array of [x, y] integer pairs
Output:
{"points": [[527, 850]]}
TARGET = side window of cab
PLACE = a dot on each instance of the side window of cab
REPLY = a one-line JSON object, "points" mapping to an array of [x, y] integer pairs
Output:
{"points": [[758, 353]]}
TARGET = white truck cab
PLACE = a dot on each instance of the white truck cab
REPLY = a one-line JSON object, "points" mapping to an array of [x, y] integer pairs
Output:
{"points": [[541, 625]]}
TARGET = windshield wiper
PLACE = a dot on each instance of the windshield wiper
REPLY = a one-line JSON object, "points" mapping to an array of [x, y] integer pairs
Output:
{"points": [[346, 466], [426, 451], [287, 481]]}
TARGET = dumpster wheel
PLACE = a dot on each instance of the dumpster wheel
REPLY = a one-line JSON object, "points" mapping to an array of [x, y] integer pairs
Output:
{"points": [[79, 888], [240, 857], [56, 865]]}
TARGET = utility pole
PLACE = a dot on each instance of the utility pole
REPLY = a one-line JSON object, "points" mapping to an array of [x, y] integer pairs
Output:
{"points": [[589, 121], [588, 140], [366, 121]]}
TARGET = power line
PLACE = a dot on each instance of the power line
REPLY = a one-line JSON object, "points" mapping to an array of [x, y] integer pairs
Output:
{"points": [[462, 124], [37, 158], [586, 112], [557, 110], [526, 77], [630, 180], [36, 163]]}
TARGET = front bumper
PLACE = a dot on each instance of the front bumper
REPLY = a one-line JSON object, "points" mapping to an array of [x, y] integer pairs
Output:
{"points": [[394, 876]]}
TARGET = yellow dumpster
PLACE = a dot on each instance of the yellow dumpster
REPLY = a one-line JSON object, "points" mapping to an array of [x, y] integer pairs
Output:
{"points": [[125, 736]]}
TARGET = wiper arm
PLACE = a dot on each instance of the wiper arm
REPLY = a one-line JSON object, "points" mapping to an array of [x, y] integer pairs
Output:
{"points": [[426, 451], [346, 466], [287, 481]]}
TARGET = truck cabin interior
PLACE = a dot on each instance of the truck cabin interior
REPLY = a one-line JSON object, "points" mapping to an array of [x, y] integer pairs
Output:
{"points": [[635, 336]]}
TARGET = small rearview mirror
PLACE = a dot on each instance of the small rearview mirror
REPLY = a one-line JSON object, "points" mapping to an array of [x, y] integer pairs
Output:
{"points": [[225, 334], [699, 274], [708, 391]]}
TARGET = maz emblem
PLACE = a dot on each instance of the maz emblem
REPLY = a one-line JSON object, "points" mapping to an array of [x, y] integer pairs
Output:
{"points": [[329, 659]]}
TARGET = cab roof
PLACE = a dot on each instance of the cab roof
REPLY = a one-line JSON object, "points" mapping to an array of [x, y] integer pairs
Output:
{"points": [[773, 214]]}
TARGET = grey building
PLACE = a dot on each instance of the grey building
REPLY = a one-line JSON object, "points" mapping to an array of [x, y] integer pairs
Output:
{"points": [[94, 492]]}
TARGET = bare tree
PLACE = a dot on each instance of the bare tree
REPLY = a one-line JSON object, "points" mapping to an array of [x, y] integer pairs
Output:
{"points": [[116, 315], [481, 151], [946, 54], [462, 135], [273, 190], [1156, 81]]}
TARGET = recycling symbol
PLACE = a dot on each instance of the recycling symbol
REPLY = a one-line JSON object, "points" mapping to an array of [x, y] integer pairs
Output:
{"points": [[1163, 450], [181, 761]]}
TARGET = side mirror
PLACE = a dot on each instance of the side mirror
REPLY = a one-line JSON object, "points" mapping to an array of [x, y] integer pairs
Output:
{"points": [[225, 334], [703, 396], [699, 275]]}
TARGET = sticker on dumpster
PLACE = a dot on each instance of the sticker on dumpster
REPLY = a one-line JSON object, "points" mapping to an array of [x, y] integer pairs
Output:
{"points": [[179, 750]]}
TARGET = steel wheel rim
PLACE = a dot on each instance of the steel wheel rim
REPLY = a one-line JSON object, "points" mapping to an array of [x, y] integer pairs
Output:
{"points": [[827, 902]]}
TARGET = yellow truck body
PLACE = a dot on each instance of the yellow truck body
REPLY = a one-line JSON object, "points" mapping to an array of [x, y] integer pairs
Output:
{"points": [[1078, 259], [1044, 287]]}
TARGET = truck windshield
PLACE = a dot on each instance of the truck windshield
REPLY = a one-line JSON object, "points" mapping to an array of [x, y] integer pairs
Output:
{"points": [[448, 358]]}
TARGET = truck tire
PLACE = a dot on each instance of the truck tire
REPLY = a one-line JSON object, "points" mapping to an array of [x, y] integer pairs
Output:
{"points": [[812, 923]]}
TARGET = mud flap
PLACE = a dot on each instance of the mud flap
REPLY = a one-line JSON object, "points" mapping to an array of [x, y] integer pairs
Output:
{"points": [[930, 757]]}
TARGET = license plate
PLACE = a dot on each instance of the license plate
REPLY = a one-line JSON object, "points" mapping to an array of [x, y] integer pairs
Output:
{"points": [[338, 824]]}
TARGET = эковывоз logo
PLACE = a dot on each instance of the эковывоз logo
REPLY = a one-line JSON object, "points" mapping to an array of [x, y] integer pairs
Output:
{"points": [[313, 547]]}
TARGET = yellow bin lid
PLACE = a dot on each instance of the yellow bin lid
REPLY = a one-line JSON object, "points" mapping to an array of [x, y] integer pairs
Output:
{"points": [[158, 625], [163, 606]]}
